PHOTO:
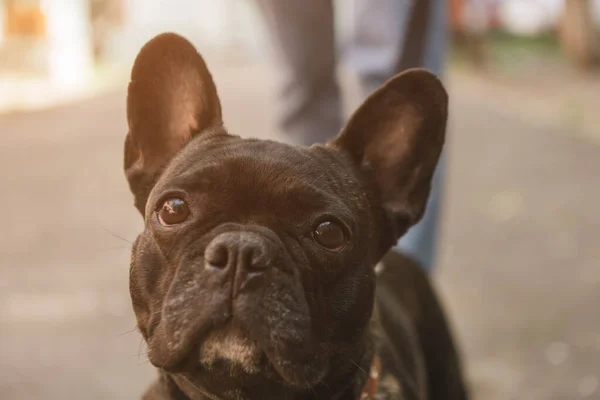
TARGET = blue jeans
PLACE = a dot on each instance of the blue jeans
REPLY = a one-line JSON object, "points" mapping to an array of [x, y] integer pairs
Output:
{"points": [[388, 36]]}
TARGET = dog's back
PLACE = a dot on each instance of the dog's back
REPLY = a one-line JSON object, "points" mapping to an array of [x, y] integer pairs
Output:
{"points": [[417, 345]]}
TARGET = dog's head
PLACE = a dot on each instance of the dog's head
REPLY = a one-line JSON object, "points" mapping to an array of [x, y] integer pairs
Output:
{"points": [[255, 266]]}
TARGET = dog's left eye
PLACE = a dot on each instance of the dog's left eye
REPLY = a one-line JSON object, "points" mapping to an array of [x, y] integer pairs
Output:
{"points": [[329, 235], [172, 212]]}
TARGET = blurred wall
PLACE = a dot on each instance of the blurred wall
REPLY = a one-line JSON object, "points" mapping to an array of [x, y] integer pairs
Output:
{"points": [[530, 17], [70, 56], [205, 22], [2, 16]]}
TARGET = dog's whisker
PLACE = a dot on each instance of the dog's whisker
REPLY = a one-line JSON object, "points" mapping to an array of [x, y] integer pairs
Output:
{"points": [[191, 382], [117, 236], [313, 391], [113, 248], [359, 367], [129, 332], [316, 181], [140, 351], [326, 385]]}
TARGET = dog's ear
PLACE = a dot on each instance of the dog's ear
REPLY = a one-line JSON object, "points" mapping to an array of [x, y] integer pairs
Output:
{"points": [[396, 137], [171, 98]]}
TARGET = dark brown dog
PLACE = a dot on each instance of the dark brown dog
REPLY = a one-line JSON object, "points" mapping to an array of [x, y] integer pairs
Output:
{"points": [[255, 275]]}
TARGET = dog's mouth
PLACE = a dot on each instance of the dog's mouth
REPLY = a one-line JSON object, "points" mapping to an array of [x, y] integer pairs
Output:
{"points": [[230, 354]]}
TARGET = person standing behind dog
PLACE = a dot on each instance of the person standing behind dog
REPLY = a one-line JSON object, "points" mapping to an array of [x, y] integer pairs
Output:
{"points": [[389, 36]]}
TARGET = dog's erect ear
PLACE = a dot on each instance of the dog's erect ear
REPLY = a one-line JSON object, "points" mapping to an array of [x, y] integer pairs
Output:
{"points": [[171, 98], [396, 136]]}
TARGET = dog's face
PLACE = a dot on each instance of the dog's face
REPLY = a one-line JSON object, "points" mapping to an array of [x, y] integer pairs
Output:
{"points": [[255, 267]]}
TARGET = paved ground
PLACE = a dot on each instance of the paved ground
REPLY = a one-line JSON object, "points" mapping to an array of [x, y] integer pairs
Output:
{"points": [[520, 266]]}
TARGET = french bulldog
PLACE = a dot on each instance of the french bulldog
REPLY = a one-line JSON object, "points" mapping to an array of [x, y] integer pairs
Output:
{"points": [[263, 270]]}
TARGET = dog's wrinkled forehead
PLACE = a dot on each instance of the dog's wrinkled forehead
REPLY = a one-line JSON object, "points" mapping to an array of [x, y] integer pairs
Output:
{"points": [[265, 174]]}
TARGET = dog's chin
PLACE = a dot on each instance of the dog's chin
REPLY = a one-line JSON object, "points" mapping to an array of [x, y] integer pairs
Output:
{"points": [[228, 352], [230, 347]]}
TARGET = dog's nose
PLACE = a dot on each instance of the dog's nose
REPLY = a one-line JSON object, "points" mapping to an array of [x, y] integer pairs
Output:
{"points": [[242, 251], [242, 258]]}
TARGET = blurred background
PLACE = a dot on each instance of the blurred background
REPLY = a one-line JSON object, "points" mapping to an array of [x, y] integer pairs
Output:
{"points": [[520, 261]]}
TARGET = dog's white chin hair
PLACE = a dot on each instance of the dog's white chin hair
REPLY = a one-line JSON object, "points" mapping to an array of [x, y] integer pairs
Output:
{"points": [[229, 345]]}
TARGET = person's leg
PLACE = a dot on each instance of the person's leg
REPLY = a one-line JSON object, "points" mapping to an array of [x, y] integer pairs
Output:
{"points": [[377, 41], [308, 99], [421, 240], [391, 36]]}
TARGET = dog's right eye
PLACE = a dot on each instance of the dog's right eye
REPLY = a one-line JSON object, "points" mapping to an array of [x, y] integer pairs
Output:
{"points": [[172, 212], [330, 236]]}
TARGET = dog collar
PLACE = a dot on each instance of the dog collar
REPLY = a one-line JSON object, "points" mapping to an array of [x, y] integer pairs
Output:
{"points": [[369, 390]]}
